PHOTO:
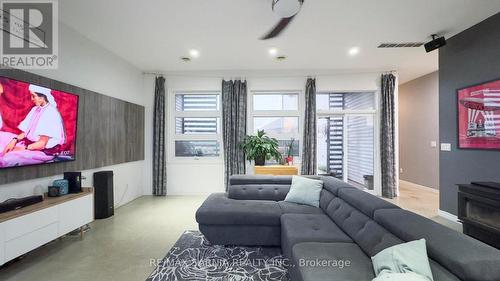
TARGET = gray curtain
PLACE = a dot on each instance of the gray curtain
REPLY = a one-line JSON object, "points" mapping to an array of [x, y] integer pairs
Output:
{"points": [[309, 139], [159, 164], [387, 137], [234, 126]]}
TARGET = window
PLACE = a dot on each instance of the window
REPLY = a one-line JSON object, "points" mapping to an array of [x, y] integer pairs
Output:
{"points": [[345, 101], [276, 101], [276, 125], [197, 102], [197, 125], [346, 136], [278, 114], [196, 148]]}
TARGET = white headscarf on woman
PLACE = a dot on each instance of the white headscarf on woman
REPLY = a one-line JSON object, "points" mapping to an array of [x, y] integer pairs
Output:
{"points": [[44, 121], [44, 91]]}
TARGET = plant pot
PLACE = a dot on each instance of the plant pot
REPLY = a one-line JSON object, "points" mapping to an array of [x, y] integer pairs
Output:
{"points": [[289, 160], [260, 161]]}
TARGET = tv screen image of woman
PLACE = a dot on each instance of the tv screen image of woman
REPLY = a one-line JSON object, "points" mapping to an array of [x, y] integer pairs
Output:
{"points": [[38, 124]]}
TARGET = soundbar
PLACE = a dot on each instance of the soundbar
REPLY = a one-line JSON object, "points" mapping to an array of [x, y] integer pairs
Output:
{"points": [[18, 203]]}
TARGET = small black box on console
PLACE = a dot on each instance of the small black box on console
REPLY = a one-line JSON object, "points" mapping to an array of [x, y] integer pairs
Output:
{"points": [[74, 181]]}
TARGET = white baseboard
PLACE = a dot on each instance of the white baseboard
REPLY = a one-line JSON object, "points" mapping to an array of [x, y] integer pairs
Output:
{"points": [[418, 186], [448, 216]]}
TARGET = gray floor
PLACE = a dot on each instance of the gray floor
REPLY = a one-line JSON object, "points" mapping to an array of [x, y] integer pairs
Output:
{"points": [[119, 248]]}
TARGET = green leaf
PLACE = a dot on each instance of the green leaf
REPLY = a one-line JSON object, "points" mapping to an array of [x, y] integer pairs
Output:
{"points": [[259, 146]]}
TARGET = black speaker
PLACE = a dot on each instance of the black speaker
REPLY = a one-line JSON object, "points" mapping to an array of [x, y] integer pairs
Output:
{"points": [[103, 194], [74, 181], [436, 43]]}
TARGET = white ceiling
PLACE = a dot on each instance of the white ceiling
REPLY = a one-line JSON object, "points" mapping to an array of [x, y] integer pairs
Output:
{"points": [[154, 34]]}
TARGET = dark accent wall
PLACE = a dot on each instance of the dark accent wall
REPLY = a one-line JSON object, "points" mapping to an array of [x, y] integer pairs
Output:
{"points": [[470, 57], [110, 131]]}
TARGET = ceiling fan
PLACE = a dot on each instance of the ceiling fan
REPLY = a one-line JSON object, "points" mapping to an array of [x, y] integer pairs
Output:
{"points": [[287, 10]]}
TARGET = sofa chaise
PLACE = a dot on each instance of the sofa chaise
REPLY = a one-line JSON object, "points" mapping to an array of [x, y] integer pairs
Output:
{"points": [[350, 226]]}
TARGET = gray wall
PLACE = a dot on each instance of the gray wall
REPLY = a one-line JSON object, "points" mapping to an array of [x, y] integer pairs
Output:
{"points": [[471, 57], [109, 132], [418, 119]]}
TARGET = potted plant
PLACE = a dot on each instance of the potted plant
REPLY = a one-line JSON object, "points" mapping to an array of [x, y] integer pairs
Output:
{"points": [[289, 157], [261, 148]]}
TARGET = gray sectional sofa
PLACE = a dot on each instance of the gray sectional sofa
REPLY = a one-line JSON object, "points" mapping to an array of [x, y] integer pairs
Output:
{"points": [[350, 226]]}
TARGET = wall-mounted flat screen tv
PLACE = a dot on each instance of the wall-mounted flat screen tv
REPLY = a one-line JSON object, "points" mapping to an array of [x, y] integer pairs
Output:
{"points": [[37, 125]]}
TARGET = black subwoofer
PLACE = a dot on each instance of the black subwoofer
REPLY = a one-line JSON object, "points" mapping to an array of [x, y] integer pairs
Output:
{"points": [[103, 194]]}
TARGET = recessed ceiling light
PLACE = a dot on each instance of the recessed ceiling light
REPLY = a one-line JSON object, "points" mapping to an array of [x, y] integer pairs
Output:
{"points": [[194, 53], [353, 51], [273, 51]]}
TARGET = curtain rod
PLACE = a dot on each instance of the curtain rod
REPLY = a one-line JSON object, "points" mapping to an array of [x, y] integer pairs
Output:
{"points": [[261, 75], [156, 73], [245, 77]]}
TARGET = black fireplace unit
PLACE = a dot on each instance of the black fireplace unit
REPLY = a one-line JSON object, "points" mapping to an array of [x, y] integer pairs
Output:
{"points": [[479, 211]]}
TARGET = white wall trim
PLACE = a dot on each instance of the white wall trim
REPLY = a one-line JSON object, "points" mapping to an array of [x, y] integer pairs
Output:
{"points": [[448, 216], [418, 186]]}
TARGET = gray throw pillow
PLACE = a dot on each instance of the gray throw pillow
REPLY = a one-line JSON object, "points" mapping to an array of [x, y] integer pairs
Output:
{"points": [[304, 191], [400, 277], [409, 258]]}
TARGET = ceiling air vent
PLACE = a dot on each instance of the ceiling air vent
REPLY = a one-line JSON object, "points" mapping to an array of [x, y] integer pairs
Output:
{"points": [[401, 45]]}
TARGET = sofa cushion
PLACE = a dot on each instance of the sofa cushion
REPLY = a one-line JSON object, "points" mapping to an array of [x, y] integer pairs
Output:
{"points": [[325, 198], [331, 261], [368, 234], [296, 228], [271, 192], [242, 235], [259, 179], [467, 258], [294, 208], [364, 201], [218, 209], [333, 184], [440, 273]]}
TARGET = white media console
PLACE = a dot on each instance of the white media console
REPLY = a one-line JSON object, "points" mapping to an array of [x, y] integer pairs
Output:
{"points": [[28, 228]]}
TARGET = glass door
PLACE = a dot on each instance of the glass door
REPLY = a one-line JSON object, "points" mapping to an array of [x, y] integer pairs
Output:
{"points": [[346, 138]]}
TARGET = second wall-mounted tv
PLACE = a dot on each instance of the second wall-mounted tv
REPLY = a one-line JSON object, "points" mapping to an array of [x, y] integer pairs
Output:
{"points": [[37, 125]]}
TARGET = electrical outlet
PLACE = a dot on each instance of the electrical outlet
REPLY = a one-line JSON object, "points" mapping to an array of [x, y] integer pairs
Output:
{"points": [[445, 146], [434, 144], [400, 170]]}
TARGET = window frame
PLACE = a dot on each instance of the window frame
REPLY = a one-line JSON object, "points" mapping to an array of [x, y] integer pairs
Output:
{"points": [[174, 136], [278, 113]]}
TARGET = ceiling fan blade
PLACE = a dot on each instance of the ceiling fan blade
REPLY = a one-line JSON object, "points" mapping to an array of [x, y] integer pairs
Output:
{"points": [[282, 24]]}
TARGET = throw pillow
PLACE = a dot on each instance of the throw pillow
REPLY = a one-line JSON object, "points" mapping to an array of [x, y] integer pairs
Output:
{"points": [[408, 257], [384, 276], [304, 191]]}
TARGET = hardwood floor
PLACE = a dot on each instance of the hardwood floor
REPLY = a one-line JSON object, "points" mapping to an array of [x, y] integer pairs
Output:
{"points": [[423, 201]]}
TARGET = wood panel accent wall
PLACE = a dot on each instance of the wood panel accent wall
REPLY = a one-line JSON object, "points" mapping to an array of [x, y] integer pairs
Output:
{"points": [[110, 131]]}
